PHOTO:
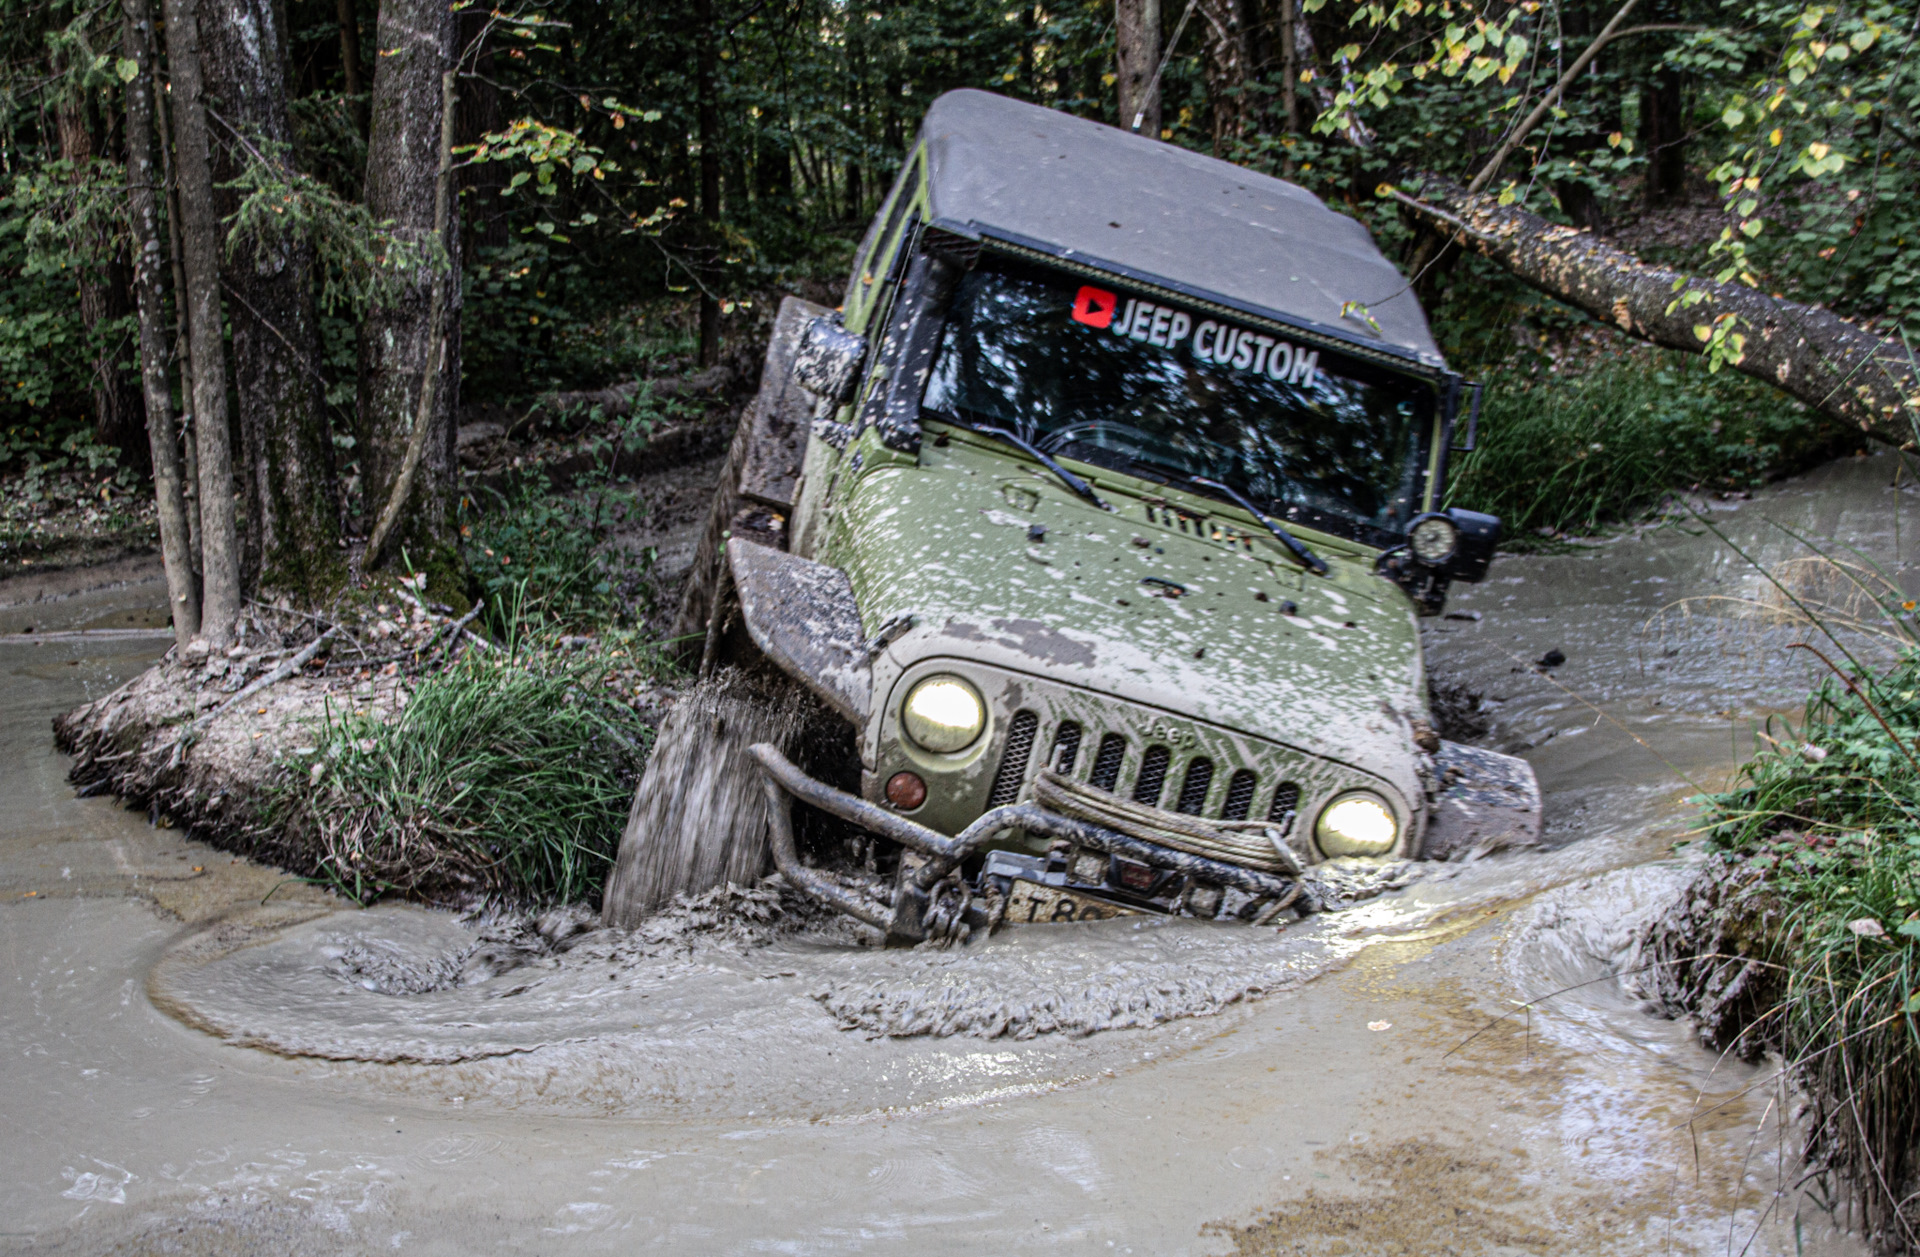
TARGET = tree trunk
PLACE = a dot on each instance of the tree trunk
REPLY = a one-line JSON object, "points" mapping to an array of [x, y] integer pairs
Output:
{"points": [[182, 341], [436, 335], [293, 535], [143, 218], [1663, 137], [708, 119], [1808, 353], [480, 113], [200, 245], [104, 301], [396, 339], [1290, 74], [348, 12], [1228, 61], [1136, 57], [772, 170]]}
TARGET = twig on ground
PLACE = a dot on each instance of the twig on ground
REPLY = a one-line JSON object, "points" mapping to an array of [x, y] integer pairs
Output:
{"points": [[281, 673], [460, 628]]}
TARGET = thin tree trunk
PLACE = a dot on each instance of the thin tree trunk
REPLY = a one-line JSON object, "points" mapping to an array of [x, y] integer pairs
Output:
{"points": [[1808, 353], [436, 336], [182, 343], [1136, 57], [349, 16], [200, 237], [707, 113], [480, 113], [293, 536], [143, 219], [1228, 60], [1663, 137], [104, 300], [1290, 75], [397, 341]]}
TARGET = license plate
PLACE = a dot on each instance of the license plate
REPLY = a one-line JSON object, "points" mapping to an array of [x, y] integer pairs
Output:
{"points": [[1032, 903]]}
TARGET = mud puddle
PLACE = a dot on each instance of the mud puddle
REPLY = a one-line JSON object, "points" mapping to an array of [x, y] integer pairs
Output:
{"points": [[1361, 1082]]}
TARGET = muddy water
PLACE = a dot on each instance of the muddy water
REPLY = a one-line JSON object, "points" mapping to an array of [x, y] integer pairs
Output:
{"points": [[190, 1066]]}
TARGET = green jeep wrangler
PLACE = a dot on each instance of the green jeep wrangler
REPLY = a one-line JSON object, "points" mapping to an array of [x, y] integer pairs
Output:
{"points": [[1097, 521]]}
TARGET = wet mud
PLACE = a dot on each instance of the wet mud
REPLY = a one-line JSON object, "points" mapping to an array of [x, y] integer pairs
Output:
{"points": [[208, 1054]]}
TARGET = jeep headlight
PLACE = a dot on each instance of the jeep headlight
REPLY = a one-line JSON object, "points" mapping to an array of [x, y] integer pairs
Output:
{"points": [[1356, 824], [943, 714]]}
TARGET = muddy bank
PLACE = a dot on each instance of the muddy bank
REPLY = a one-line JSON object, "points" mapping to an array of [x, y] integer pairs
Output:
{"points": [[174, 743], [130, 743]]}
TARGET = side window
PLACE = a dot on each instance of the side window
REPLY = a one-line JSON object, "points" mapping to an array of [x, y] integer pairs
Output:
{"points": [[878, 251]]}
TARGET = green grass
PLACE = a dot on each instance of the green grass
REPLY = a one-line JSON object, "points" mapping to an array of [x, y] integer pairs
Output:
{"points": [[505, 775], [1568, 455]]}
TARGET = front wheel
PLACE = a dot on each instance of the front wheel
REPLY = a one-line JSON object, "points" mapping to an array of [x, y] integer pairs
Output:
{"points": [[699, 816]]}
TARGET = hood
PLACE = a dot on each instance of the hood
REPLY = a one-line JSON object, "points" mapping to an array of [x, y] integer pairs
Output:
{"points": [[1170, 600]]}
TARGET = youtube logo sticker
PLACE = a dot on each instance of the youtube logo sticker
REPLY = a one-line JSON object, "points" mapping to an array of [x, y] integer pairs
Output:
{"points": [[1094, 306]]}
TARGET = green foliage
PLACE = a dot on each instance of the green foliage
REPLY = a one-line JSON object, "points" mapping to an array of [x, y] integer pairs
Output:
{"points": [[1802, 110], [46, 351], [504, 776], [1574, 451], [543, 563], [1813, 142], [361, 262]]}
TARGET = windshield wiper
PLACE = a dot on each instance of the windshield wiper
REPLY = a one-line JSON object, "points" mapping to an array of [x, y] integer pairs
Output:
{"points": [[1067, 478], [1308, 559]]}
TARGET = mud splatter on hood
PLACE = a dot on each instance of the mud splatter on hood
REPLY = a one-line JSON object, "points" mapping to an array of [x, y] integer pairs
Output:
{"points": [[996, 561]]}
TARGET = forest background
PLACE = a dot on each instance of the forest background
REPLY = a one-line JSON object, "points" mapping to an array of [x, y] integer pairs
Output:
{"points": [[629, 188]]}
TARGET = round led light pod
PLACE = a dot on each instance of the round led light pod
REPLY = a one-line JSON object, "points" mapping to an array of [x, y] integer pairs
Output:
{"points": [[943, 714], [1356, 823], [1433, 539]]}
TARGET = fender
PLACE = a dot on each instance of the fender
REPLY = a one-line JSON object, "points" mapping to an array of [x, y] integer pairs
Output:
{"points": [[802, 615]]}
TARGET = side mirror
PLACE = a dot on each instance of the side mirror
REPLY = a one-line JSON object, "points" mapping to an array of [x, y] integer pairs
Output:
{"points": [[827, 360], [1474, 539]]}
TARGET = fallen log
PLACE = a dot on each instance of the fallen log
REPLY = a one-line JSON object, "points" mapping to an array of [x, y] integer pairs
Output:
{"points": [[1809, 353]]}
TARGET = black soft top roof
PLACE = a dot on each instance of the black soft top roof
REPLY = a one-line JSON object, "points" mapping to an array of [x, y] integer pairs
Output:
{"points": [[1123, 203]]}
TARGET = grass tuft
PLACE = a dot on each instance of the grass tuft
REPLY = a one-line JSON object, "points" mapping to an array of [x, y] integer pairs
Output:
{"points": [[505, 775]]}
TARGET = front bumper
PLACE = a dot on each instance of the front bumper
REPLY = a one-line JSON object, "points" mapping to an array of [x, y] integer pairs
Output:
{"points": [[930, 901]]}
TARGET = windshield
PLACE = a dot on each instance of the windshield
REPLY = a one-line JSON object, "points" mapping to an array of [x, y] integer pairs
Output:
{"points": [[1096, 374]]}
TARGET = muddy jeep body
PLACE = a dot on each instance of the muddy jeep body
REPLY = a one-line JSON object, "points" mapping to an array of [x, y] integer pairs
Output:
{"points": [[1172, 696]]}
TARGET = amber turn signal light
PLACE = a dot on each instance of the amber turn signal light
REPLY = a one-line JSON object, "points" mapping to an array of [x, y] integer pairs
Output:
{"points": [[906, 791]]}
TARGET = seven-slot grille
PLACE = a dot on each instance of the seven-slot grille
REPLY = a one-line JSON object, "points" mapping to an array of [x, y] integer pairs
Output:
{"points": [[1149, 783]]}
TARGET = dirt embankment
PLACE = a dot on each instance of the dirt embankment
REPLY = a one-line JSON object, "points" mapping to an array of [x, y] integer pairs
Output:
{"points": [[170, 741], [1730, 956]]}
